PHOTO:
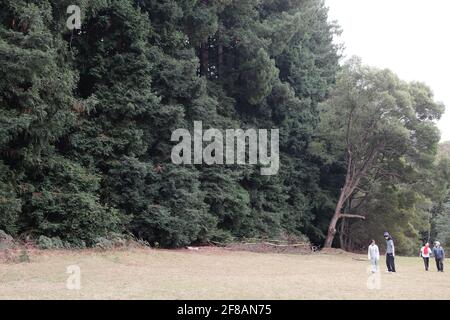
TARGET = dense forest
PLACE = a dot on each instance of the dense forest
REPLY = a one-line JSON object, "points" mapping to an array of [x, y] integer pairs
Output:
{"points": [[86, 118]]}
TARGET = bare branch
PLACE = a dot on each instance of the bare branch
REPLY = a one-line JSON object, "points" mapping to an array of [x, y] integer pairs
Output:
{"points": [[355, 216]]}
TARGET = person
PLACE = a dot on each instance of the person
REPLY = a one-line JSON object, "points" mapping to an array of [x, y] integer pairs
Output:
{"points": [[439, 256], [390, 252], [425, 253], [374, 256]]}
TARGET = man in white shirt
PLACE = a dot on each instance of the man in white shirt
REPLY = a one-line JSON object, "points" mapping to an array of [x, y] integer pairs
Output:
{"points": [[374, 256]]}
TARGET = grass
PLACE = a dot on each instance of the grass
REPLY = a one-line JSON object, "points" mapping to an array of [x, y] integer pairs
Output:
{"points": [[215, 274]]}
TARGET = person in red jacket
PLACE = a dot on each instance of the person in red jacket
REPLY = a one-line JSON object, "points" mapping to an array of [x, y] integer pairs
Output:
{"points": [[425, 253]]}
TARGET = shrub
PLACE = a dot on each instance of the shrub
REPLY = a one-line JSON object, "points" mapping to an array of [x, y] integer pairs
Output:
{"points": [[66, 206], [44, 242]]}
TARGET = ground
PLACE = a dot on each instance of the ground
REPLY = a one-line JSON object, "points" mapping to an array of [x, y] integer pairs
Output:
{"points": [[213, 273]]}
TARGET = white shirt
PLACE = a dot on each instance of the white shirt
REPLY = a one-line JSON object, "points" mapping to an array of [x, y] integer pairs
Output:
{"points": [[373, 252], [423, 254]]}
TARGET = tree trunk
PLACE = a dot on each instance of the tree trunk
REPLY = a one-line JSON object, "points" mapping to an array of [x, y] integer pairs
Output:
{"points": [[342, 235], [346, 192], [219, 51], [204, 58], [333, 222]]}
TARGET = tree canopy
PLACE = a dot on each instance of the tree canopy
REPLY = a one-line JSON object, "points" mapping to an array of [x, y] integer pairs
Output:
{"points": [[86, 118]]}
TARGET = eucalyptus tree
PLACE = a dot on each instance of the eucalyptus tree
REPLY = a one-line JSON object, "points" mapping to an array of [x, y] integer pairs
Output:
{"points": [[378, 128]]}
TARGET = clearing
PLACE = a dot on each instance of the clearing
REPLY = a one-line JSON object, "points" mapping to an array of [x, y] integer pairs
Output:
{"points": [[215, 273]]}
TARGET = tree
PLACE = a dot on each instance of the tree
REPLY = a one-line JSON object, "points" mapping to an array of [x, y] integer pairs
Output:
{"points": [[10, 203], [43, 191], [440, 212], [378, 126]]}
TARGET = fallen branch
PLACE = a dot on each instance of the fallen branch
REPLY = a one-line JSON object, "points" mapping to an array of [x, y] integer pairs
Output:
{"points": [[359, 259], [285, 245]]}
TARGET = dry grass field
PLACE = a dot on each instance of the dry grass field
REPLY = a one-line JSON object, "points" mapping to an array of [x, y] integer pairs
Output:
{"points": [[213, 273]]}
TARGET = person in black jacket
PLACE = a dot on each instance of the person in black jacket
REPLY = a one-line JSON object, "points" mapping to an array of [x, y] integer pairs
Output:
{"points": [[390, 252], [439, 256]]}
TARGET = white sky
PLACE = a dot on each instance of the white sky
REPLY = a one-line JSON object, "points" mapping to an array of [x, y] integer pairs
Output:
{"points": [[410, 37]]}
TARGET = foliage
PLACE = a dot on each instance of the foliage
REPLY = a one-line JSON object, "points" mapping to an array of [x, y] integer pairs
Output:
{"points": [[86, 118], [382, 131]]}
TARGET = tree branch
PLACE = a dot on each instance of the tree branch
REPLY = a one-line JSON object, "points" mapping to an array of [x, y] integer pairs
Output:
{"points": [[355, 216]]}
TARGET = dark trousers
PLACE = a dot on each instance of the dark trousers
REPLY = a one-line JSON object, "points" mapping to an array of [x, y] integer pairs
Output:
{"points": [[390, 262], [426, 261], [440, 264]]}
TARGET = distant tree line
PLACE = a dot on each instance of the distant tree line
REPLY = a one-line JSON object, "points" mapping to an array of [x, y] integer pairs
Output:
{"points": [[86, 118]]}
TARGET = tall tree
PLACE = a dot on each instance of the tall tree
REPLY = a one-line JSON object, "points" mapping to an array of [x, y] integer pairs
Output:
{"points": [[378, 126], [58, 196]]}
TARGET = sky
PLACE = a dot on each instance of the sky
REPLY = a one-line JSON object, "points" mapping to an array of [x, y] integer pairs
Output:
{"points": [[410, 37]]}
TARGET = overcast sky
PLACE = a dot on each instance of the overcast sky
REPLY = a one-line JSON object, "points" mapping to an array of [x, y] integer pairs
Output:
{"points": [[410, 37]]}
